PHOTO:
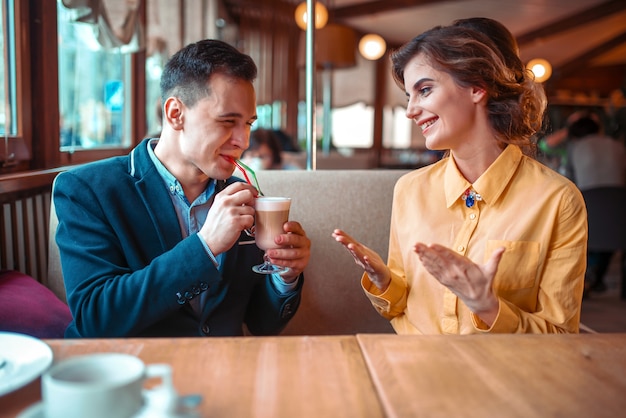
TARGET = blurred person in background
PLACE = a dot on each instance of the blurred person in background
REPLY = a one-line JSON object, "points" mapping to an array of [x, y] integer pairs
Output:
{"points": [[265, 152], [595, 160]]}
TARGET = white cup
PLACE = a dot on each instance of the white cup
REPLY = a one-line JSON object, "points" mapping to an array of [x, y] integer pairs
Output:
{"points": [[101, 386]]}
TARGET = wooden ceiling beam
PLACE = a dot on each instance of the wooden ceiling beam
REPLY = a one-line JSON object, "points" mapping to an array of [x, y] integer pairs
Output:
{"points": [[582, 61], [379, 6], [236, 9], [573, 21]]}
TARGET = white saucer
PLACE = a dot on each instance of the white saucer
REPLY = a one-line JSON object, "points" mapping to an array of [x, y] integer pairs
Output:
{"points": [[36, 410], [33, 411], [26, 359]]}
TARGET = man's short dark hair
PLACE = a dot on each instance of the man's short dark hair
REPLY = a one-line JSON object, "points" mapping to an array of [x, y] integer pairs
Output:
{"points": [[188, 71]]}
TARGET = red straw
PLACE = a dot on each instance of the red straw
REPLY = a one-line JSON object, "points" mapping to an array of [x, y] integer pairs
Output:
{"points": [[232, 160]]}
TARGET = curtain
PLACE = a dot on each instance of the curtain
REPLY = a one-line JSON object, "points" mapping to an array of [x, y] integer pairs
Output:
{"points": [[109, 24]]}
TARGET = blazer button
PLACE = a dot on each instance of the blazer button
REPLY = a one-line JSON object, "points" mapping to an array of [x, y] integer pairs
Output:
{"points": [[205, 329], [204, 286], [188, 295], [195, 290], [287, 310], [181, 299]]}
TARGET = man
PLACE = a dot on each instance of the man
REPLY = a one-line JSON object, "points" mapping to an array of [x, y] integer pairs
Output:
{"points": [[154, 243], [595, 160]]}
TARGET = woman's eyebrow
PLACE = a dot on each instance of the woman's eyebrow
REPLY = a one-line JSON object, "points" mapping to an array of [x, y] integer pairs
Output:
{"points": [[421, 81]]}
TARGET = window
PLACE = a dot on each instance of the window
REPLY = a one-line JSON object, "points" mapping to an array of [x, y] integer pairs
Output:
{"points": [[270, 116], [95, 47], [302, 125], [13, 150], [353, 126], [155, 63], [397, 128], [7, 71]]}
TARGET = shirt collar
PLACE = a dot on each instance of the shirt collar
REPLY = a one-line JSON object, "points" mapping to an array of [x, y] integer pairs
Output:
{"points": [[490, 184], [172, 184]]}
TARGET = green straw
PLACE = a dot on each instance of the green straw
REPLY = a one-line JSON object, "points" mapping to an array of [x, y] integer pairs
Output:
{"points": [[256, 181]]}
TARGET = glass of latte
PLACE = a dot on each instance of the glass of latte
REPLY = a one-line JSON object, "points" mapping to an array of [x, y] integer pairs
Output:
{"points": [[271, 215]]}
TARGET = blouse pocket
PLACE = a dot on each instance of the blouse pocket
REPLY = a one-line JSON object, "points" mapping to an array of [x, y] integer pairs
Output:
{"points": [[518, 266]]}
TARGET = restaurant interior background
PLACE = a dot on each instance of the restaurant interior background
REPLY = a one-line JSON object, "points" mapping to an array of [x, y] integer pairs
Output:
{"points": [[80, 77], [79, 82]]}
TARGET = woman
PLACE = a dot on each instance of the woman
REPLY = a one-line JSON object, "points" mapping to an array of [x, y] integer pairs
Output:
{"points": [[487, 239], [265, 151]]}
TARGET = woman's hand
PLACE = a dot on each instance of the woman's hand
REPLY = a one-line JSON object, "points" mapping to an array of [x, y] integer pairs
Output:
{"points": [[369, 260], [471, 282]]}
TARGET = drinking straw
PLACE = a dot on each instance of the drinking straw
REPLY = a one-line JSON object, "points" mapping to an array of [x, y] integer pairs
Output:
{"points": [[242, 167]]}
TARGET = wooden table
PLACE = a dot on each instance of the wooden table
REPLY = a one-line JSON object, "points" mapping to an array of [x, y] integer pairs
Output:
{"points": [[244, 377], [376, 375], [499, 375]]}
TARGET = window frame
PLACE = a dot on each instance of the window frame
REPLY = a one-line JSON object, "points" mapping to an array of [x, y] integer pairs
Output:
{"points": [[37, 95], [19, 76]]}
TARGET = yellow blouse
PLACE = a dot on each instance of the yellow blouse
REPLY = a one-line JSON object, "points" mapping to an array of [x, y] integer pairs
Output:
{"points": [[536, 214]]}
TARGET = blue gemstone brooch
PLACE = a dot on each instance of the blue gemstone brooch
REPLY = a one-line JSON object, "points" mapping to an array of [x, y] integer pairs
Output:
{"points": [[470, 196]]}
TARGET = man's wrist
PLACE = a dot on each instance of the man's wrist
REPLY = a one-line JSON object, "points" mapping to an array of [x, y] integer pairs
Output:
{"points": [[281, 285], [289, 279]]}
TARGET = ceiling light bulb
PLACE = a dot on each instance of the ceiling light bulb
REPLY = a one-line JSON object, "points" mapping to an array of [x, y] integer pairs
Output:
{"points": [[321, 15], [540, 68], [372, 46]]}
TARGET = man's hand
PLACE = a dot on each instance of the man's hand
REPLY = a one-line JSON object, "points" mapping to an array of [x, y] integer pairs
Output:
{"points": [[294, 251], [232, 212]]}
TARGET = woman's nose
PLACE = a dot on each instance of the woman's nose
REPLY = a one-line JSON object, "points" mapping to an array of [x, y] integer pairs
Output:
{"points": [[412, 109]]}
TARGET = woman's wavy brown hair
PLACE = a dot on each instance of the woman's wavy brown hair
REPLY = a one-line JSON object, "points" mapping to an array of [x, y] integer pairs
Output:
{"points": [[515, 102]]}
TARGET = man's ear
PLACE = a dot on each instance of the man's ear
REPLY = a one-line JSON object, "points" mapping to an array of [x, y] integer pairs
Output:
{"points": [[173, 113]]}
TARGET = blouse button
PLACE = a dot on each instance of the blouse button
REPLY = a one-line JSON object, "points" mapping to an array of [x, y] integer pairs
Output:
{"points": [[460, 248], [472, 216]]}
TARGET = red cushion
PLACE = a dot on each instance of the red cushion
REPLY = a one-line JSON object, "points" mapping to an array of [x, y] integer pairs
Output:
{"points": [[28, 307]]}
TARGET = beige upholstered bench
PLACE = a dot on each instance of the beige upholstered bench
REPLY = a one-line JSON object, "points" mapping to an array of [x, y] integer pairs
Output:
{"points": [[358, 201]]}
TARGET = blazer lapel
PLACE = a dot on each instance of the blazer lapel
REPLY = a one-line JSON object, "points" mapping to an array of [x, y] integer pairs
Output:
{"points": [[154, 195]]}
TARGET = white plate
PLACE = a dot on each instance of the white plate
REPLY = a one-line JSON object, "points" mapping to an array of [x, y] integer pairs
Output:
{"points": [[26, 359]]}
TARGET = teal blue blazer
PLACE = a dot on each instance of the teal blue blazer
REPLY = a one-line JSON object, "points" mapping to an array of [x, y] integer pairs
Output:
{"points": [[128, 271]]}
